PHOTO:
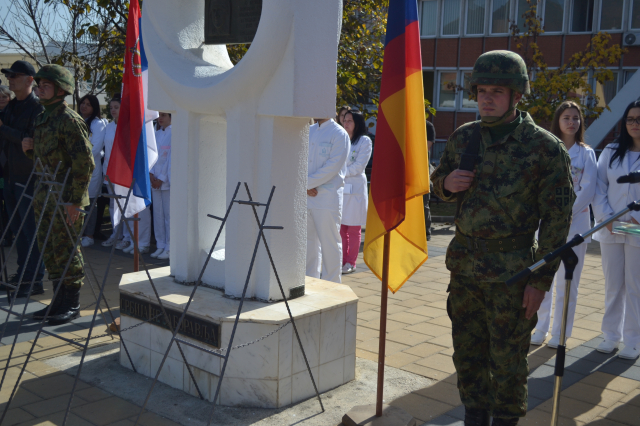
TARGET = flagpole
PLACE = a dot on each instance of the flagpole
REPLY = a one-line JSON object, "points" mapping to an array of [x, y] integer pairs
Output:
{"points": [[383, 322], [136, 265]]}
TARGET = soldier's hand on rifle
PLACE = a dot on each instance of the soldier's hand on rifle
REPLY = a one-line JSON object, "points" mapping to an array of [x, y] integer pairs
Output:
{"points": [[532, 300], [27, 144], [72, 214], [458, 180]]}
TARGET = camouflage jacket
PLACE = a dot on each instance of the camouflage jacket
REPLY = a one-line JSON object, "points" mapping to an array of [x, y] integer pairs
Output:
{"points": [[62, 136], [522, 181]]}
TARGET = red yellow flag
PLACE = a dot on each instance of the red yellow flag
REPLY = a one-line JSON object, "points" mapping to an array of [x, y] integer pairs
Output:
{"points": [[400, 171]]}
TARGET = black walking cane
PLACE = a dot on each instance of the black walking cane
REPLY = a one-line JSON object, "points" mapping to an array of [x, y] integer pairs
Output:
{"points": [[570, 261]]}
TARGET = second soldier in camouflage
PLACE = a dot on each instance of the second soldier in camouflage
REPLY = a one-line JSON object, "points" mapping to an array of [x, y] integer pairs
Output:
{"points": [[521, 182], [61, 136]]}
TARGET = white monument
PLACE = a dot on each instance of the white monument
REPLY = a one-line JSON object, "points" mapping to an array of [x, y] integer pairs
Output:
{"points": [[248, 123]]}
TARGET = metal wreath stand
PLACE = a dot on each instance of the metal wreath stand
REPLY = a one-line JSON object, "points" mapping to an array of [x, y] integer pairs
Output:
{"points": [[47, 178], [570, 260], [219, 353]]}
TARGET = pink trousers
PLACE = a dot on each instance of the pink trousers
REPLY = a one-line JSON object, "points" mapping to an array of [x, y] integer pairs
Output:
{"points": [[351, 236]]}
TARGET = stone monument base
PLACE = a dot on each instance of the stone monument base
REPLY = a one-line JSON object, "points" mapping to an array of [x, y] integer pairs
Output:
{"points": [[270, 373]]}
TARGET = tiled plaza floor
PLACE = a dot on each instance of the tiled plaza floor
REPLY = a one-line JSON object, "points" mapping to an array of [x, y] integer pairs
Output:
{"points": [[598, 389]]}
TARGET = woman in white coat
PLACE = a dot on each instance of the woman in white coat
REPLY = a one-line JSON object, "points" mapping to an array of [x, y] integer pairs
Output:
{"points": [[568, 125], [620, 253], [160, 185], [90, 111], [356, 197]]}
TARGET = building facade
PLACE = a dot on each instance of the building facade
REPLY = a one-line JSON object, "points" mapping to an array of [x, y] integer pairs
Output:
{"points": [[455, 32]]}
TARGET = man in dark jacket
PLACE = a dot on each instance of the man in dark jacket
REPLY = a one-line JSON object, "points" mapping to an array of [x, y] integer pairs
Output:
{"points": [[16, 123]]}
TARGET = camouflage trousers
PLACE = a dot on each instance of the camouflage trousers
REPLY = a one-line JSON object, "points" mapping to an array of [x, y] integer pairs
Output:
{"points": [[491, 338], [59, 245]]}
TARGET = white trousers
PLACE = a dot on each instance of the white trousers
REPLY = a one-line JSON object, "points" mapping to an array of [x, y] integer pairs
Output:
{"points": [[144, 229], [161, 221], [544, 313], [621, 266], [324, 244]]}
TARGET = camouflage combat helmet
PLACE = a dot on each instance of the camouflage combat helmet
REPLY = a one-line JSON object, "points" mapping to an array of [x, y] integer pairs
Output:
{"points": [[59, 75], [500, 68]]}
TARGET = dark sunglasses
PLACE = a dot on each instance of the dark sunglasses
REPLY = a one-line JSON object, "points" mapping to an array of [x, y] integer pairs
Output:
{"points": [[631, 120], [13, 74]]}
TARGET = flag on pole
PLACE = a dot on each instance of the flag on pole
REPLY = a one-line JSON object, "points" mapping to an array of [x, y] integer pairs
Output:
{"points": [[134, 149], [400, 172]]}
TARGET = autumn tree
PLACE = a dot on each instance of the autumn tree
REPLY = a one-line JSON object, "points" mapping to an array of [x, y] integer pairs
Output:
{"points": [[551, 87]]}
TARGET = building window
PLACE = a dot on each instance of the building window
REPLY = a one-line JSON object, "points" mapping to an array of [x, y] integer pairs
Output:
{"points": [[611, 15], [466, 102], [635, 15], [553, 16], [475, 17], [582, 16], [523, 7], [427, 83], [500, 17], [606, 91], [447, 90], [450, 17], [627, 76], [429, 18]]}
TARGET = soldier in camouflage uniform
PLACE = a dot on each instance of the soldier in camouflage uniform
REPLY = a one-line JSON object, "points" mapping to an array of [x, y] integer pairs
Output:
{"points": [[61, 136], [522, 181]]}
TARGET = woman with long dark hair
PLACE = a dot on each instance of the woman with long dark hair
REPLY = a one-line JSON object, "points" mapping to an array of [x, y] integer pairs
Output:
{"points": [[568, 126], [620, 253], [341, 113], [356, 197], [89, 107]]}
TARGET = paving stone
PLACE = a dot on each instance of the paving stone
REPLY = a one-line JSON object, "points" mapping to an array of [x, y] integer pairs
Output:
{"points": [[407, 337], [49, 406], [152, 419], [53, 385], [457, 413], [623, 413], [609, 381], [574, 409], [107, 411], [621, 369], [438, 362], [426, 372], [546, 372], [442, 391], [593, 395], [407, 318], [390, 348], [400, 359], [421, 408], [15, 416], [540, 389], [56, 419], [578, 365], [444, 420]]}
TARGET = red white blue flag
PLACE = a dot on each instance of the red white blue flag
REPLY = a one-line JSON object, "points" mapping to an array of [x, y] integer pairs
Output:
{"points": [[134, 149]]}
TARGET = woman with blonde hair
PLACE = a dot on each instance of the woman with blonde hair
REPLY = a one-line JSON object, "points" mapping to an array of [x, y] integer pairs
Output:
{"points": [[5, 96], [568, 125]]}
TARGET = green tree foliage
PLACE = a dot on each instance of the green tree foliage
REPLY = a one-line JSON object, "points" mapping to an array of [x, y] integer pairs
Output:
{"points": [[551, 87]]}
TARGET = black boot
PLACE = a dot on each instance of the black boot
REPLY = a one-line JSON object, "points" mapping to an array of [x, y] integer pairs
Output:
{"points": [[69, 308], [500, 421], [55, 304], [476, 417]]}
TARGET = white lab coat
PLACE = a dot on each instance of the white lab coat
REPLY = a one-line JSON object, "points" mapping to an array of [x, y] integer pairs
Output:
{"points": [[584, 173], [97, 133], [356, 197], [109, 137], [620, 253], [611, 197], [162, 169], [328, 149]]}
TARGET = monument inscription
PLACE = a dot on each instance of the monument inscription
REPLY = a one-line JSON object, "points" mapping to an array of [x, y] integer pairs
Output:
{"points": [[195, 328], [231, 21]]}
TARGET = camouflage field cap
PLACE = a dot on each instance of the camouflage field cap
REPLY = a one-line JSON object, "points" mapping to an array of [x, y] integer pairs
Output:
{"points": [[59, 75], [500, 68]]}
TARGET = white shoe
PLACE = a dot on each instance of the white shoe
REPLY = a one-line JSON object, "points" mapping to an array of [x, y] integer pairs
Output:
{"points": [[157, 253], [121, 245], [87, 241], [143, 250], [607, 346], [347, 268], [164, 255], [554, 342], [111, 241], [537, 338], [128, 249], [629, 352]]}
